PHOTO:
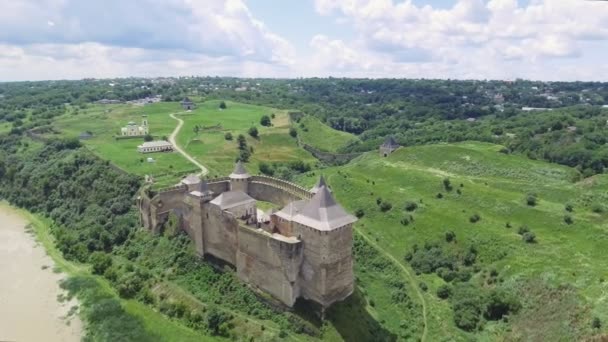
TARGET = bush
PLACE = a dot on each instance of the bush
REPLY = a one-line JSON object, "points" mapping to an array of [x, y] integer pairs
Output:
{"points": [[450, 236], [529, 237], [359, 213], [444, 291], [265, 121], [410, 206], [385, 206], [598, 208], [568, 219], [423, 286], [523, 229], [228, 136], [499, 304], [596, 323], [253, 131], [439, 195], [266, 169], [569, 207], [378, 200], [447, 185], [405, 221], [148, 137], [474, 218], [100, 262], [215, 319], [223, 105], [531, 200], [293, 132]]}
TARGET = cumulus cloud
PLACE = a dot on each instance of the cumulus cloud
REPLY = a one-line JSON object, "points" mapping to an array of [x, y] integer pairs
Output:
{"points": [[488, 36]]}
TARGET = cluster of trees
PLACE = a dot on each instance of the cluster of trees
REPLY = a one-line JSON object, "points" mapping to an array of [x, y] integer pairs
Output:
{"points": [[284, 170]]}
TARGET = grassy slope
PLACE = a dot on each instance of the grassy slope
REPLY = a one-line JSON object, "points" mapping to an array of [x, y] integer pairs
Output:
{"points": [[154, 322], [219, 154], [494, 186], [105, 122], [321, 136]]}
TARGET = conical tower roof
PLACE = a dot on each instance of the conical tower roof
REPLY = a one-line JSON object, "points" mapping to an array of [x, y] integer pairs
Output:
{"points": [[239, 171], [320, 183], [390, 142], [323, 213]]}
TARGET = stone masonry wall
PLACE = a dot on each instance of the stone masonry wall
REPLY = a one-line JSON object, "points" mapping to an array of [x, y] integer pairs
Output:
{"points": [[269, 264]]}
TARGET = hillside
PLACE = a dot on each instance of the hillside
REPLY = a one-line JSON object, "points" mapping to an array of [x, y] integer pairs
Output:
{"points": [[495, 187], [313, 132]]}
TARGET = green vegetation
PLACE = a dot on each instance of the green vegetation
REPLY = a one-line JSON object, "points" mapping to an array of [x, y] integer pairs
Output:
{"points": [[313, 132]]}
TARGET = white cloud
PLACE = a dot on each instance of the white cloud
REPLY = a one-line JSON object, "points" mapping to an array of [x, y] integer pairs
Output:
{"points": [[488, 38]]}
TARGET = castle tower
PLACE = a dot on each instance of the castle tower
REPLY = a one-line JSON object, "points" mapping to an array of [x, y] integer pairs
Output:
{"points": [[327, 270], [239, 178], [319, 184], [388, 147]]}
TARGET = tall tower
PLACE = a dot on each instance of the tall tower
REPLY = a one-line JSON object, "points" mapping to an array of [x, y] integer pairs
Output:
{"points": [[239, 178], [144, 124]]}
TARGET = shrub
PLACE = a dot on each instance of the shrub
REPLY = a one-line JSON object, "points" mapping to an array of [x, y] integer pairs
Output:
{"points": [[228, 136], [523, 229], [100, 262], [265, 120], [447, 185], [569, 207], [598, 208], [266, 169], [596, 323], [423, 286], [359, 213], [531, 200], [405, 221], [439, 195], [529, 237], [253, 131], [215, 319], [272, 115], [223, 105], [385, 206], [568, 219], [444, 291], [378, 200], [293, 132], [474, 218], [500, 303], [450, 236], [148, 137], [410, 206]]}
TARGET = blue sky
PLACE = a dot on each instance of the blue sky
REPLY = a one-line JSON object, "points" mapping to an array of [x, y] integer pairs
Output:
{"points": [[464, 39]]}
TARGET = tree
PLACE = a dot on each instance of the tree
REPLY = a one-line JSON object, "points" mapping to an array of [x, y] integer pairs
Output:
{"points": [[253, 131], [242, 142], [531, 200], [293, 132], [148, 137], [444, 291], [359, 213], [385, 206], [228, 136], [596, 323], [265, 121], [447, 185], [568, 219], [266, 169], [411, 206], [100, 262], [450, 236], [223, 105], [500, 303], [215, 319]]}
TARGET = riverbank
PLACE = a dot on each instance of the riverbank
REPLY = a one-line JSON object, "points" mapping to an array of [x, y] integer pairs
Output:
{"points": [[29, 290]]}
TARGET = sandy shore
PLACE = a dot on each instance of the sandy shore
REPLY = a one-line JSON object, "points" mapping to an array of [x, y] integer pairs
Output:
{"points": [[29, 289]]}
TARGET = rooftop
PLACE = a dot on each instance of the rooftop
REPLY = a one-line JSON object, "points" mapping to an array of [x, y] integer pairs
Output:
{"points": [[323, 213], [239, 171], [390, 142], [157, 143], [231, 199], [320, 183], [291, 210]]}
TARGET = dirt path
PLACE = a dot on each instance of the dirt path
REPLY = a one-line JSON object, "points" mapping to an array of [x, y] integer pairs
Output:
{"points": [[29, 310], [180, 123]]}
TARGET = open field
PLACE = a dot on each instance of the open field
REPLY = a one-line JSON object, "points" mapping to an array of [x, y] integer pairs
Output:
{"points": [[494, 186], [105, 121], [315, 133], [211, 148]]}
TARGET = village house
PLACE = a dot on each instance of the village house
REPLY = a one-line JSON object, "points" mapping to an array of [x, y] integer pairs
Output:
{"points": [[155, 146]]}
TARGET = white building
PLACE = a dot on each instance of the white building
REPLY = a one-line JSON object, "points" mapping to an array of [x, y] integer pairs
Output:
{"points": [[155, 146], [133, 130]]}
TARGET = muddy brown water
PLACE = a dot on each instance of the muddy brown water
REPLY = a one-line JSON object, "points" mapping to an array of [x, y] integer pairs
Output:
{"points": [[29, 288]]}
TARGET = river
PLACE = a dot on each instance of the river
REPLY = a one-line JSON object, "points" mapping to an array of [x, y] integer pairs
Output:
{"points": [[29, 289]]}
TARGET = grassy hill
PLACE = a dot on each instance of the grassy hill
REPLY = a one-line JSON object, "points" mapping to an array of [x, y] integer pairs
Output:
{"points": [[566, 263], [211, 148], [315, 133]]}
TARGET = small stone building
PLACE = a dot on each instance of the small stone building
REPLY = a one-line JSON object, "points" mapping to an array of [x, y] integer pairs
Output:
{"points": [[388, 147], [187, 104], [155, 146]]}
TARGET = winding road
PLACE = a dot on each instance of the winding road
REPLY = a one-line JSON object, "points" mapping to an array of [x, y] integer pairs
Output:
{"points": [[180, 123]]}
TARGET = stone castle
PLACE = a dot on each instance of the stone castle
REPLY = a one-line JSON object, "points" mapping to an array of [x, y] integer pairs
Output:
{"points": [[303, 250]]}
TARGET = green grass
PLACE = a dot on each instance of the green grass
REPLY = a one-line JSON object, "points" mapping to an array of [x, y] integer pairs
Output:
{"points": [[155, 324], [211, 148], [105, 121], [494, 186], [315, 133]]}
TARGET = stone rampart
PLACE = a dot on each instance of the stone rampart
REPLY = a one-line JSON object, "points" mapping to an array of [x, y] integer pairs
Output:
{"points": [[277, 191]]}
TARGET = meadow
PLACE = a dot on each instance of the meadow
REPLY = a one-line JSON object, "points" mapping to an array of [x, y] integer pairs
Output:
{"points": [[315, 133], [494, 186]]}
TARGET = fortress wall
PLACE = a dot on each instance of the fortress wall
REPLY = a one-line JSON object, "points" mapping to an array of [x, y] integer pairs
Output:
{"points": [[219, 233], [269, 263], [276, 191], [219, 186]]}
